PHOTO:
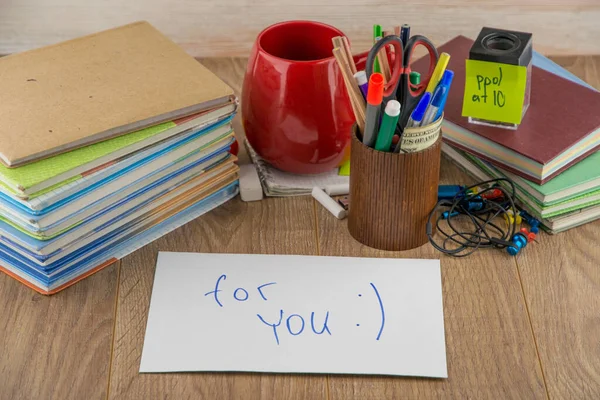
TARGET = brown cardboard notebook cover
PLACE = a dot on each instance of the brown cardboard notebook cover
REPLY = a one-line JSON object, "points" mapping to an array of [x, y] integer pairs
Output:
{"points": [[89, 89], [561, 112]]}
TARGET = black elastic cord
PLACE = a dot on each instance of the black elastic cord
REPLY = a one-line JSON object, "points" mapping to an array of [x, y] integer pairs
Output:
{"points": [[485, 232]]}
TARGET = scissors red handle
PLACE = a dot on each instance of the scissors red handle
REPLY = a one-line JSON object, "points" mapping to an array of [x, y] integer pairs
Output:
{"points": [[413, 42], [409, 94], [391, 86]]}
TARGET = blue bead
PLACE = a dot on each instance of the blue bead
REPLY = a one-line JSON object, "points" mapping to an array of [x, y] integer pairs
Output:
{"points": [[534, 229], [448, 192], [447, 214], [475, 205], [519, 241]]}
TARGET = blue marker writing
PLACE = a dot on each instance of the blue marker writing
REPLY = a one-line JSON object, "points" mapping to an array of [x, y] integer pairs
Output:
{"points": [[274, 326], [382, 311], [244, 295], [217, 290], [287, 322], [325, 327], [262, 286]]}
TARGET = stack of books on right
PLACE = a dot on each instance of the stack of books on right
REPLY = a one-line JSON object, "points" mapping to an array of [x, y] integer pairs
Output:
{"points": [[552, 157]]}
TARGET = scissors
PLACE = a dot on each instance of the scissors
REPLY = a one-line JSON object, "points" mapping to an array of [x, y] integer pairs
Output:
{"points": [[399, 87]]}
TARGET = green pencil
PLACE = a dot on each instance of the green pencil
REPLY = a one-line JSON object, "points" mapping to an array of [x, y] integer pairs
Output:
{"points": [[377, 34]]}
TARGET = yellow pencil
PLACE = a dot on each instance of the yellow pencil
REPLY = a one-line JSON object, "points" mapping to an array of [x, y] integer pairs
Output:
{"points": [[438, 72]]}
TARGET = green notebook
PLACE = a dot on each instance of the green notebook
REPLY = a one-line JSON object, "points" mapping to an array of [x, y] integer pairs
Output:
{"points": [[28, 178], [556, 208], [218, 141], [569, 217], [581, 179]]}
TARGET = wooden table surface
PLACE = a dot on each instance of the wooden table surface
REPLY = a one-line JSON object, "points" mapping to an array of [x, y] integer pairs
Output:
{"points": [[516, 328]]}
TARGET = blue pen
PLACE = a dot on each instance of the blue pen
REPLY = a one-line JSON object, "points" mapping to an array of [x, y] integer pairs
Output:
{"points": [[439, 94], [447, 82], [419, 112]]}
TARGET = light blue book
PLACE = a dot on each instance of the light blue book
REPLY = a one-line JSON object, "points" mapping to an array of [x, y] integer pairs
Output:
{"points": [[51, 282], [545, 63]]}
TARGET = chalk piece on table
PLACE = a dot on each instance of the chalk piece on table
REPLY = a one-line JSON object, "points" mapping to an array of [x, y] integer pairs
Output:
{"points": [[338, 190], [329, 203], [250, 187]]}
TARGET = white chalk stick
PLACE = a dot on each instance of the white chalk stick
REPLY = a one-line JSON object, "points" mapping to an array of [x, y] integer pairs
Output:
{"points": [[250, 188], [338, 190], [329, 203]]}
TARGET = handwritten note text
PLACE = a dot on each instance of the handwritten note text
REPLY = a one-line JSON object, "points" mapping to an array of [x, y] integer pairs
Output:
{"points": [[306, 314], [494, 91]]}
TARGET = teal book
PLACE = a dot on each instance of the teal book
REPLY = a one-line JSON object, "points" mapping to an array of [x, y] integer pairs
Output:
{"points": [[580, 180], [531, 195]]}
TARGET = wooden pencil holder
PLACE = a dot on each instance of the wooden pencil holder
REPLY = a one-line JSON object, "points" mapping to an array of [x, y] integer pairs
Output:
{"points": [[392, 194]]}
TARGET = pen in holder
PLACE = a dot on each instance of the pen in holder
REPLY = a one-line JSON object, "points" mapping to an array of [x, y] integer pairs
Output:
{"points": [[392, 194]]}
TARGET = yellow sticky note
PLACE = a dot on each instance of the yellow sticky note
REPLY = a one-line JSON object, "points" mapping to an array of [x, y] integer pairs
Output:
{"points": [[494, 91], [345, 169]]}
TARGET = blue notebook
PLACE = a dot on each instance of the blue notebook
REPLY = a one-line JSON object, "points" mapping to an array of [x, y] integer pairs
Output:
{"points": [[148, 218], [545, 63], [46, 284], [14, 237], [185, 164], [53, 249]]}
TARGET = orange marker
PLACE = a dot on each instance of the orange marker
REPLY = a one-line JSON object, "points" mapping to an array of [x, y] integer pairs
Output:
{"points": [[374, 99]]}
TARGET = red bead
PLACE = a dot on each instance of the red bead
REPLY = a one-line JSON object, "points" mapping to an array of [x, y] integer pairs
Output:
{"points": [[492, 194]]}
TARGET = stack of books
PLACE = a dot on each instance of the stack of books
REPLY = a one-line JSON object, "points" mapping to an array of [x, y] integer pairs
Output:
{"points": [[107, 142], [552, 157]]}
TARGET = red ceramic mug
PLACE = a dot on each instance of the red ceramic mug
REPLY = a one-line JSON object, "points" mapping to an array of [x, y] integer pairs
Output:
{"points": [[295, 108]]}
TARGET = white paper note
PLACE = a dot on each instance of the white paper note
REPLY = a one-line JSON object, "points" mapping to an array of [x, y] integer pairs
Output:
{"points": [[295, 314]]}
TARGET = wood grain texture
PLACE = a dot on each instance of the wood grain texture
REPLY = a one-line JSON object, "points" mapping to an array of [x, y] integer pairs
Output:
{"points": [[57, 347], [272, 226], [490, 348], [561, 281], [388, 210], [214, 28]]}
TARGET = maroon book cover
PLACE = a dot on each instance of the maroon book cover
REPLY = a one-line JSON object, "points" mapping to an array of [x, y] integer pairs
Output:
{"points": [[561, 112]]}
